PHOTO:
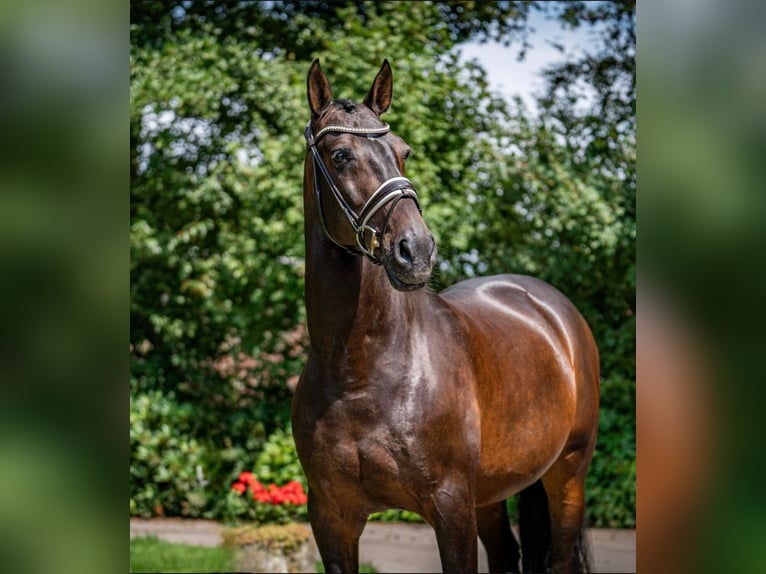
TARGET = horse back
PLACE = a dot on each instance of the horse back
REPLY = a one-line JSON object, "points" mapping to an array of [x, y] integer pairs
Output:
{"points": [[504, 311], [536, 374]]}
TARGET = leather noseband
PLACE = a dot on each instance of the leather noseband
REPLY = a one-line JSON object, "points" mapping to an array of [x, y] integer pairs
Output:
{"points": [[392, 191]]}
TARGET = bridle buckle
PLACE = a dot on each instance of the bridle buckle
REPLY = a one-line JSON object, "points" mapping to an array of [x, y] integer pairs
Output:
{"points": [[368, 246]]}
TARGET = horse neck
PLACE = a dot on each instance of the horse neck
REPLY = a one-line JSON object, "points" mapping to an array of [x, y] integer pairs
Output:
{"points": [[350, 301]]}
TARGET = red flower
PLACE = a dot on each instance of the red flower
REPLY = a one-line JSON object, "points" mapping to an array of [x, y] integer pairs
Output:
{"points": [[290, 493], [248, 478], [261, 496]]}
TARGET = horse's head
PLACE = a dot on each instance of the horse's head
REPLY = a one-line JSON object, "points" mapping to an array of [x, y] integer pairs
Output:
{"points": [[355, 173]]}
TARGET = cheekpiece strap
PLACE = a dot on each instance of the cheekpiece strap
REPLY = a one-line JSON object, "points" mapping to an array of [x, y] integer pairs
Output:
{"points": [[390, 191]]}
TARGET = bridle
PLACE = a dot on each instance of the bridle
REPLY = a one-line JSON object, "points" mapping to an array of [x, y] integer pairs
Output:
{"points": [[393, 190]]}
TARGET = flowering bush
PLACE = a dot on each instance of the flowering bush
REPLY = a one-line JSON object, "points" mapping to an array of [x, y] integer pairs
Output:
{"points": [[290, 493], [272, 503]]}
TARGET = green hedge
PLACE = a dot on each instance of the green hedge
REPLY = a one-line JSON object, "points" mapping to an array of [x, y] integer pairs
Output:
{"points": [[173, 472], [611, 483], [217, 106], [176, 467], [217, 320]]}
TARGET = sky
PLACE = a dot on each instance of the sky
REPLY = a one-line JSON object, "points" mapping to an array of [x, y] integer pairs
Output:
{"points": [[511, 77]]}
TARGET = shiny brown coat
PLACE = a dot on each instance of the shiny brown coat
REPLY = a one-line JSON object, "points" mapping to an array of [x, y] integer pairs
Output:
{"points": [[444, 404]]}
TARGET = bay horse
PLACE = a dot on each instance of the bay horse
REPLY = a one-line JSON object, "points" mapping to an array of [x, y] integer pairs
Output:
{"points": [[444, 404]]}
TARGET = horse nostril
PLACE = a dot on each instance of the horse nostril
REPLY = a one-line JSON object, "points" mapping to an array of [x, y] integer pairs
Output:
{"points": [[403, 253]]}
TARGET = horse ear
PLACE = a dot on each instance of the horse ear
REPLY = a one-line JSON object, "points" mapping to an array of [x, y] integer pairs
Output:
{"points": [[318, 89], [379, 97]]}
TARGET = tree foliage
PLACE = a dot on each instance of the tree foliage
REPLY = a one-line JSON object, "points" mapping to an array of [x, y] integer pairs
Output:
{"points": [[217, 114]]}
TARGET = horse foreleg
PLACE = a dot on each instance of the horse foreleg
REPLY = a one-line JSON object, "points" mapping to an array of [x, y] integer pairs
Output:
{"points": [[453, 517], [566, 504], [498, 539], [336, 533]]}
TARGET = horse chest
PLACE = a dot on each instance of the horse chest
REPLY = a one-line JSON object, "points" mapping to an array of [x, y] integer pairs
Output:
{"points": [[377, 454]]}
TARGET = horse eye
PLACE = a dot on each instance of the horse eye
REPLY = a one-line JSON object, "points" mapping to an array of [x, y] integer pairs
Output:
{"points": [[407, 154], [341, 156]]}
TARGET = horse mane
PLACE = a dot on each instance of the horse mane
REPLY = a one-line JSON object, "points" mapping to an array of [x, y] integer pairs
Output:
{"points": [[342, 105], [348, 106]]}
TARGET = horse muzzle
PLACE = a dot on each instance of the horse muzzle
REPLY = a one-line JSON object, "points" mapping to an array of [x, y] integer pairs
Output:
{"points": [[410, 260]]}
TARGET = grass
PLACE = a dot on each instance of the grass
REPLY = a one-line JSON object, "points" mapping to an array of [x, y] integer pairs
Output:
{"points": [[364, 568], [152, 555], [149, 554]]}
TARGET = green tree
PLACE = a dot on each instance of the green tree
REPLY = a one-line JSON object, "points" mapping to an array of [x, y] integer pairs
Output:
{"points": [[217, 113]]}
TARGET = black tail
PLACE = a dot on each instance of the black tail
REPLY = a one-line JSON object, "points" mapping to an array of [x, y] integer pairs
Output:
{"points": [[534, 528], [581, 558], [535, 533]]}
